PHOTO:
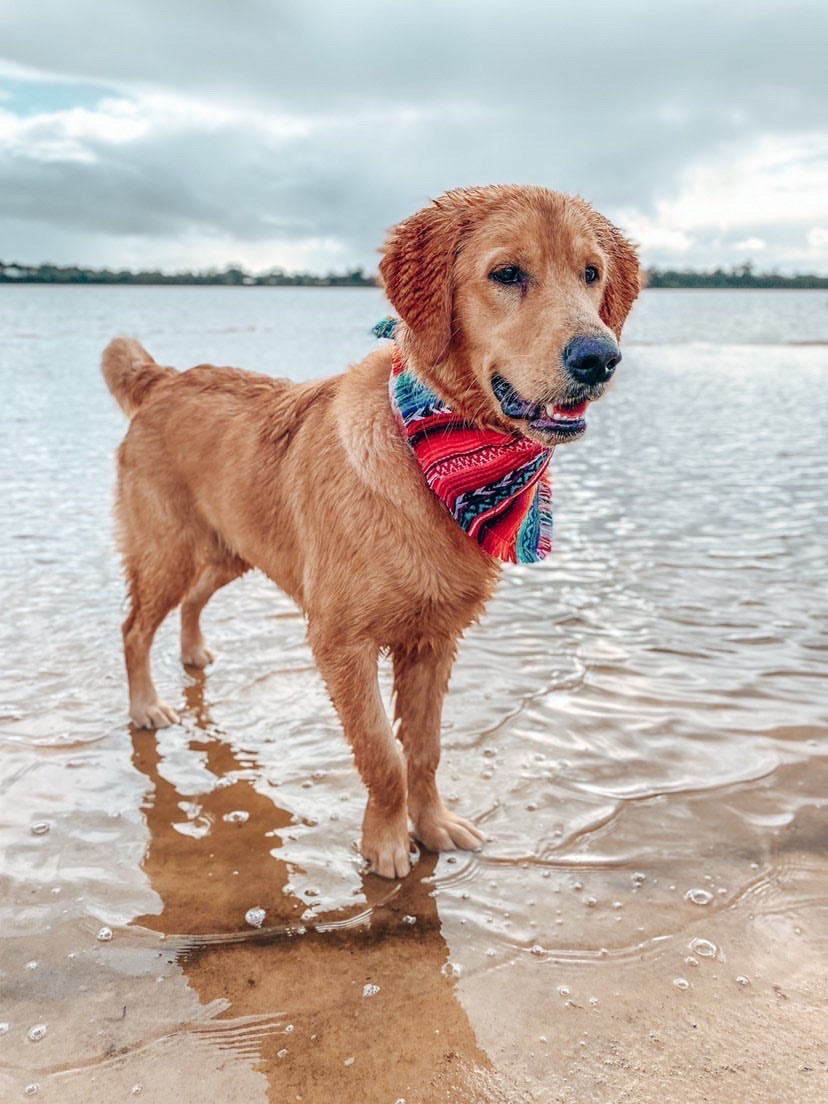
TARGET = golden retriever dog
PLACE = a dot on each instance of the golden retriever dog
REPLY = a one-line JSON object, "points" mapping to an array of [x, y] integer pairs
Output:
{"points": [[511, 302]]}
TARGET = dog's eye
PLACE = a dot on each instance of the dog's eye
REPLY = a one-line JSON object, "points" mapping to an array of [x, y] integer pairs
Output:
{"points": [[591, 274], [509, 274]]}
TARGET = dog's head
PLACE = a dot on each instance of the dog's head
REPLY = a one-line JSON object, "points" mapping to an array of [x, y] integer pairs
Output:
{"points": [[513, 300]]}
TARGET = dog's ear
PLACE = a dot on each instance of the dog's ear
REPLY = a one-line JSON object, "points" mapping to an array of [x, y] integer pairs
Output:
{"points": [[624, 277], [417, 270]]}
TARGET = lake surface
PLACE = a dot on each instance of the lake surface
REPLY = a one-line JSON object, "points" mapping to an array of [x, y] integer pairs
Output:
{"points": [[639, 724]]}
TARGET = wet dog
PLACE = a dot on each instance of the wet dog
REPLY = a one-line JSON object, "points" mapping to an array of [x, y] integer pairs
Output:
{"points": [[512, 301]]}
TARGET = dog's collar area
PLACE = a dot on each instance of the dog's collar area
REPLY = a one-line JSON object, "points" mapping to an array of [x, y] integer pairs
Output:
{"points": [[495, 485]]}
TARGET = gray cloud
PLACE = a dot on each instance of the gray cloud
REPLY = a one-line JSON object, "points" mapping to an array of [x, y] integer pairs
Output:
{"points": [[617, 101]]}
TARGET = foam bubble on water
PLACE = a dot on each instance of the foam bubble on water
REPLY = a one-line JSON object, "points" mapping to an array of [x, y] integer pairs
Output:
{"points": [[104, 935], [237, 816], [370, 990], [537, 950], [255, 917], [742, 980], [681, 983], [704, 948], [451, 969], [31, 965], [40, 828], [564, 990], [638, 878], [698, 896], [4, 1028], [32, 1090], [137, 1090], [37, 1032], [289, 1028]]}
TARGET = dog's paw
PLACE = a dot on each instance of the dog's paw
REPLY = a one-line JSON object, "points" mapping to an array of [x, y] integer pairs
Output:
{"points": [[197, 655], [440, 830], [385, 844], [389, 861], [153, 714]]}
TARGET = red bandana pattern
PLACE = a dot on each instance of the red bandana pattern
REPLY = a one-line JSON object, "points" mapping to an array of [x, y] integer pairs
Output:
{"points": [[495, 485]]}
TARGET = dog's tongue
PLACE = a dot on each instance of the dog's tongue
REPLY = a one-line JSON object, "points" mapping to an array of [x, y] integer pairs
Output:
{"points": [[572, 410]]}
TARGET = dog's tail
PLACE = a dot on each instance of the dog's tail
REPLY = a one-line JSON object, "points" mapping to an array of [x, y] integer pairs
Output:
{"points": [[131, 373]]}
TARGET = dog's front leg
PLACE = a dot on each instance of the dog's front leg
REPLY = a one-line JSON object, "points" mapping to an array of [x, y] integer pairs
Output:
{"points": [[421, 675], [351, 676]]}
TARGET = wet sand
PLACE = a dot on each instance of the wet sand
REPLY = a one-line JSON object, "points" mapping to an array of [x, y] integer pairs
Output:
{"points": [[639, 725]]}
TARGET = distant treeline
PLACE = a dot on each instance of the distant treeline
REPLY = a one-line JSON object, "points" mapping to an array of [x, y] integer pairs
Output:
{"points": [[743, 276], [229, 277]]}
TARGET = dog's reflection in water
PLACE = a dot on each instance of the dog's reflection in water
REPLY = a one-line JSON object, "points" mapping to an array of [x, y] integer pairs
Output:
{"points": [[210, 859]]}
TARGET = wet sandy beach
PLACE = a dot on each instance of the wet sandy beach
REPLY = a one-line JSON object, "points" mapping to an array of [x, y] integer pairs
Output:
{"points": [[640, 726]]}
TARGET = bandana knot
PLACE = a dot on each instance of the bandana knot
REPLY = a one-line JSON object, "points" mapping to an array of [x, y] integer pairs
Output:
{"points": [[495, 485]]}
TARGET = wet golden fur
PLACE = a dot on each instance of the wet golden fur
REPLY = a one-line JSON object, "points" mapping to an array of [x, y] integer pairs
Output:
{"points": [[222, 470]]}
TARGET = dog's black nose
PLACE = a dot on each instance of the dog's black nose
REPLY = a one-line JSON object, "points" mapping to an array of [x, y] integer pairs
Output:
{"points": [[591, 360]]}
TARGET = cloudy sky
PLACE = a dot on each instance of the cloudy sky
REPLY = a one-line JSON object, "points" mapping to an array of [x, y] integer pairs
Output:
{"points": [[184, 134]]}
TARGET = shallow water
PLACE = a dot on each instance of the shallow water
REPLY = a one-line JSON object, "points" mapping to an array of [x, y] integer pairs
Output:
{"points": [[640, 725]]}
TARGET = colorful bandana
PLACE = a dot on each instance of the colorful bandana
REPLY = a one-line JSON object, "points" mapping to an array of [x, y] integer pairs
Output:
{"points": [[495, 485]]}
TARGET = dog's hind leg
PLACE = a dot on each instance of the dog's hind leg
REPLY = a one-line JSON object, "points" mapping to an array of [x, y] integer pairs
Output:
{"points": [[213, 576], [157, 582], [350, 672], [421, 675]]}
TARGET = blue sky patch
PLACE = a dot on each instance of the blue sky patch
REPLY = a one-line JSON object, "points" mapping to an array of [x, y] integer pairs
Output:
{"points": [[34, 97]]}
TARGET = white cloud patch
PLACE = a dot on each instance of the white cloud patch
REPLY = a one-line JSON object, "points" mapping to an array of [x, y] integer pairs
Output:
{"points": [[740, 203]]}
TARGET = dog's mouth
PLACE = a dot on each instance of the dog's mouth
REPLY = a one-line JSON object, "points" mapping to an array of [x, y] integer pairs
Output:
{"points": [[561, 421]]}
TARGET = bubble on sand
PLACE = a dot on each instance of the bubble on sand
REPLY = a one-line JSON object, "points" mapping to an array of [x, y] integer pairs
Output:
{"points": [[40, 828], [698, 896], [638, 878], [137, 1090], [537, 950], [37, 1032], [742, 980], [255, 917], [564, 990], [408, 919], [282, 1053], [31, 965], [348, 1061], [4, 1029], [32, 1090], [104, 935], [681, 983], [370, 990]]}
